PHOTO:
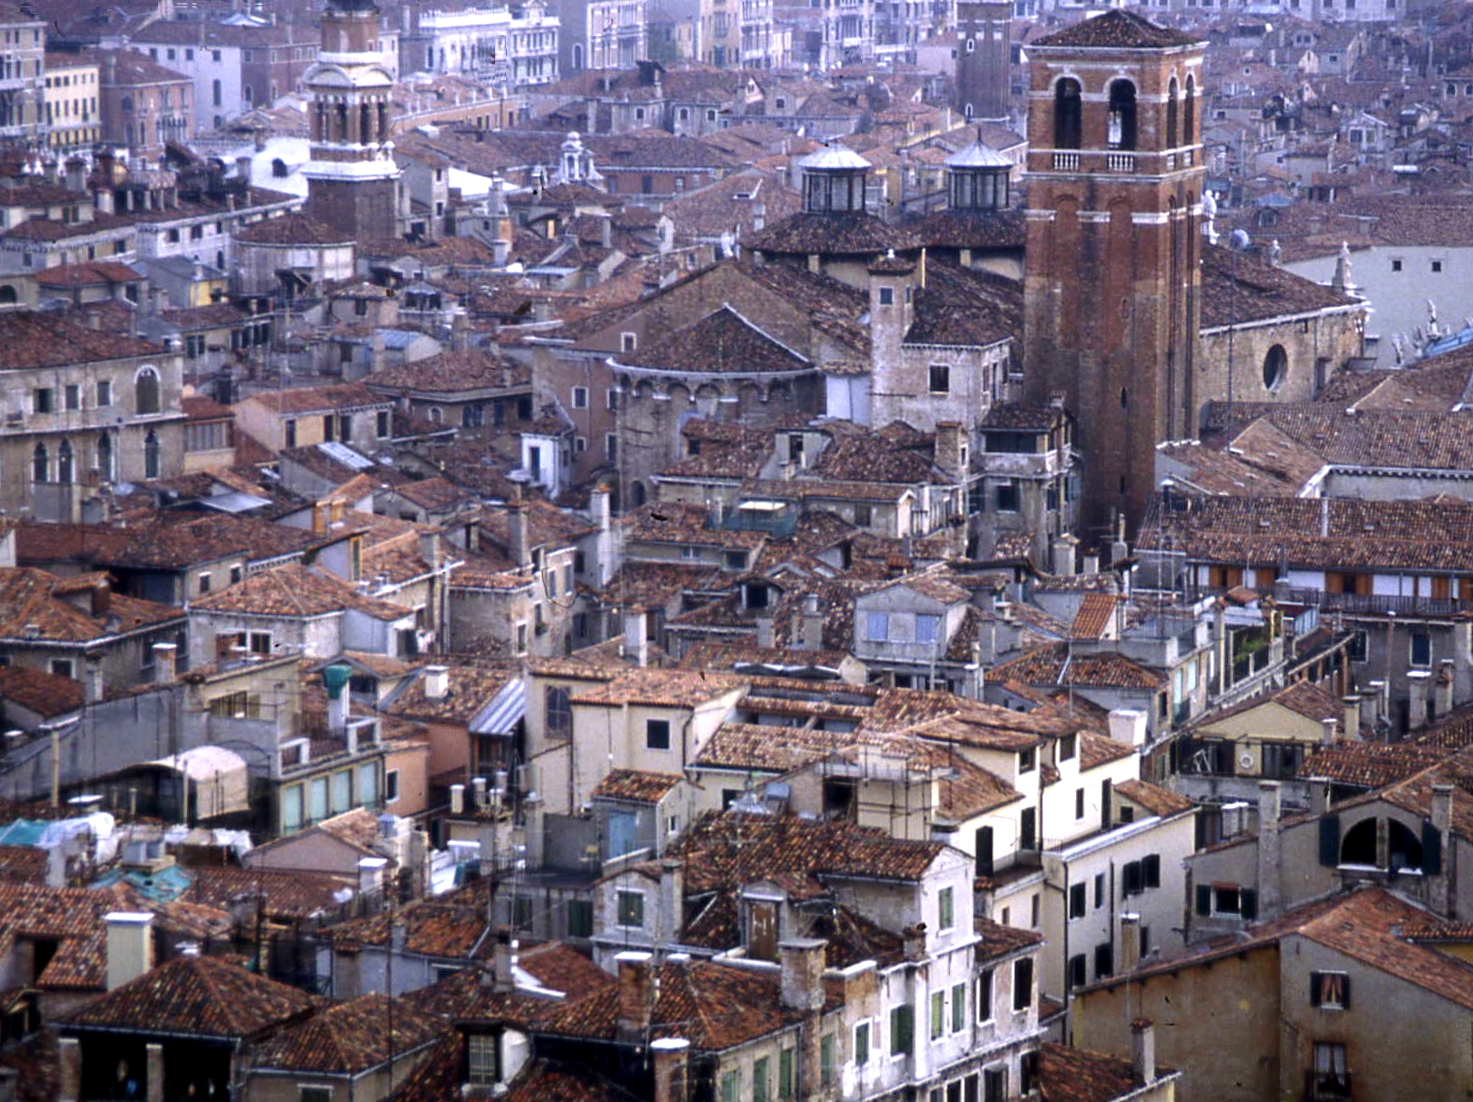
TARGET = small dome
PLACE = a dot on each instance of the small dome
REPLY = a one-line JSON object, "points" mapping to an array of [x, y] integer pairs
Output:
{"points": [[834, 158], [977, 155]]}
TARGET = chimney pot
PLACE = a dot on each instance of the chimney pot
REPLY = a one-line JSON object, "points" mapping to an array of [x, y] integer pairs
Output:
{"points": [[437, 682]]}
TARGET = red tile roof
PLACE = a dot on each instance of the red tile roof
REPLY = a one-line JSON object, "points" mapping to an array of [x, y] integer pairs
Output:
{"points": [[1155, 799], [1116, 29], [348, 1038], [195, 997], [713, 1006], [634, 786], [35, 340]]}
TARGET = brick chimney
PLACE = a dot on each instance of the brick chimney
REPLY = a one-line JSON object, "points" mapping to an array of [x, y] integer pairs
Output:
{"points": [[1352, 717], [670, 1055], [69, 1069], [802, 972], [635, 994], [1143, 1051], [504, 961], [949, 440]]}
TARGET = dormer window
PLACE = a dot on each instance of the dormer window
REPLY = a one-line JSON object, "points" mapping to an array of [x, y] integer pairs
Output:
{"points": [[482, 1057], [756, 594]]}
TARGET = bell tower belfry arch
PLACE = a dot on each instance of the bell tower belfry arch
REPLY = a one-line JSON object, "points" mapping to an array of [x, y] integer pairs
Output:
{"points": [[1112, 266]]}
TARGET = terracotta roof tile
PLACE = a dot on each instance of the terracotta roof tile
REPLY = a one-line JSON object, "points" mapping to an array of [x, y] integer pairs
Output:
{"points": [[634, 786], [318, 399], [34, 597], [713, 1006], [30, 340], [452, 372], [296, 590], [46, 694], [1116, 29], [1076, 1075], [1155, 799], [1052, 665], [733, 849], [197, 997], [349, 1038], [468, 690]]}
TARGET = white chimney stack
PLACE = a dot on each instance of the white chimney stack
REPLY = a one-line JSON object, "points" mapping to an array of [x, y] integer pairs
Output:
{"points": [[129, 946]]}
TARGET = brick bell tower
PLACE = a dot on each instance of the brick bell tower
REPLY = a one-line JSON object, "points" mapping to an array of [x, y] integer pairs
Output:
{"points": [[352, 180], [1111, 272]]}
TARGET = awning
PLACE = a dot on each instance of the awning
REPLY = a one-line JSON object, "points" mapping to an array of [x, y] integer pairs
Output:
{"points": [[506, 710], [221, 784]]}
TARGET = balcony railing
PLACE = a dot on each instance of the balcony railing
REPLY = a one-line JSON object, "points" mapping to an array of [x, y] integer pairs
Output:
{"points": [[1372, 602], [1066, 162], [1120, 162]]}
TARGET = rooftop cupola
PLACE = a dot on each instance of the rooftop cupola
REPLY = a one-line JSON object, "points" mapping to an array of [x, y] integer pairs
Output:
{"points": [[978, 178], [834, 181]]}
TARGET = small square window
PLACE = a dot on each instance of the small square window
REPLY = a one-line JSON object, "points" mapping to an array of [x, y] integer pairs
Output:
{"points": [[887, 296], [631, 909], [657, 734], [580, 397], [1437, 265], [940, 379]]}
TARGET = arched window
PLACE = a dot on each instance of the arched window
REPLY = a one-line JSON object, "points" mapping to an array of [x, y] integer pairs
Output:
{"points": [[1172, 94], [278, 167], [8, 296], [1275, 367], [1121, 129], [105, 457], [437, 415], [1402, 847], [40, 464], [1359, 844], [637, 494], [64, 464], [1189, 114], [127, 105], [151, 458], [146, 391], [1068, 114]]}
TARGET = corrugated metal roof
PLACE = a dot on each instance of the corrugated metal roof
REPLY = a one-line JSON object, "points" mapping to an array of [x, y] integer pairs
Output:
{"points": [[345, 455]]}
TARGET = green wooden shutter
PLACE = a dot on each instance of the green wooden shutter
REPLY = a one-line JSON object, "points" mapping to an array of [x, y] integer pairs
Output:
{"points": [[1330, 840], [1431, 850], [1204, 899]]}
